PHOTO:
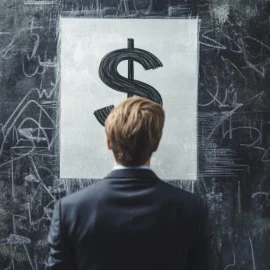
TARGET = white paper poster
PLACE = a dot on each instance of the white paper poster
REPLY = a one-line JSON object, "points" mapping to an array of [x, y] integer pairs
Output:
{"points": [[172, 50]]}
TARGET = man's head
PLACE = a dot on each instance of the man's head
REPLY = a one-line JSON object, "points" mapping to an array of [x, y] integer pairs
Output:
{"points": [[134, 129]]}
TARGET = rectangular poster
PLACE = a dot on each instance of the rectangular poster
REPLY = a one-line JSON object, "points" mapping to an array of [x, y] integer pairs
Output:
{"points": [[171, 47]]}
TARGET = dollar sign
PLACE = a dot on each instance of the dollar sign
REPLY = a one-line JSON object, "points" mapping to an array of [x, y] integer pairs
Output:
{"points": [[109, 75]]}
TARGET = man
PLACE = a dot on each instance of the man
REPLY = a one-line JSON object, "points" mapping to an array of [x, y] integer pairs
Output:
{"points": [[130, 220]]}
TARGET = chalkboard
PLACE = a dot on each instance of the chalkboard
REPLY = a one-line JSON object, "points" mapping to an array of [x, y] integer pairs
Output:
{"points": [[233, 123]]}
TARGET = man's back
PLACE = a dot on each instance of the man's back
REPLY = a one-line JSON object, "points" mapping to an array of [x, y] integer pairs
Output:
{"points": [[129, 220]]}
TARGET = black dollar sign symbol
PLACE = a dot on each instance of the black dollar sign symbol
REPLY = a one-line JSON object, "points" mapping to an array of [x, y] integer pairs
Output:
{"points": [[109, 75]]}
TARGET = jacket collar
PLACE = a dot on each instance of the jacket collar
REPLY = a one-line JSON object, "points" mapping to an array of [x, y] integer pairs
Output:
{"points": [[132, 173]]}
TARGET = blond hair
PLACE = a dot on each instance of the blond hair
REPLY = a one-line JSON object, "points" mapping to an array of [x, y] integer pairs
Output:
{"points": [[134, 129]]}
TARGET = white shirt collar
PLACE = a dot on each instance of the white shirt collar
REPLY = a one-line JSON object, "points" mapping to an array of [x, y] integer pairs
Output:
{"points": [[119, 167]]}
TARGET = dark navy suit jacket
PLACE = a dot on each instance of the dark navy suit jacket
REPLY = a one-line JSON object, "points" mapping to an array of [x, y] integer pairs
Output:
{"points": [[130, 220]]}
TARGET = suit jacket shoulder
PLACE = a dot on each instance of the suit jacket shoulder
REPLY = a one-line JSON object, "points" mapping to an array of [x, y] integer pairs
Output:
{"points": [[89, 193], [188, 207]]}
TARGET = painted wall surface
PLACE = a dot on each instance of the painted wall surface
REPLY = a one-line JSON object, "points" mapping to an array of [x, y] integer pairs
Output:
{"points": [[233, 127], [84, 43]]}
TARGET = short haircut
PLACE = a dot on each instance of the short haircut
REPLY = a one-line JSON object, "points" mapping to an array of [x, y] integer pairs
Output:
{"points": [[134, 129]]}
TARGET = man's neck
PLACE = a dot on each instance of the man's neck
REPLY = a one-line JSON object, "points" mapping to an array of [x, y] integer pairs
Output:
{"points": [[147, 163]]}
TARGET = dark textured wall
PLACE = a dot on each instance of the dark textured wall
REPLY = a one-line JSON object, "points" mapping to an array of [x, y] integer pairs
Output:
{"points": [[233, 123]]}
